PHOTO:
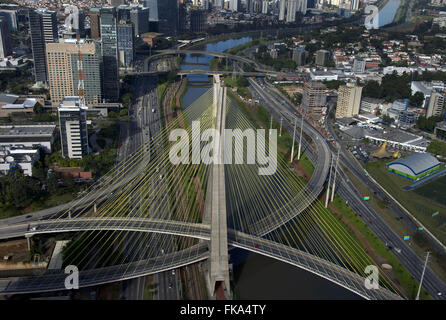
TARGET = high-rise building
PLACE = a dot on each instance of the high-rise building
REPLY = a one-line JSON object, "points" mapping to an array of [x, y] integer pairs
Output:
{"points": [[234, 5], [322, 57], [11, 17], [43, 29], [95, 23], [291, 11], [73, 128], [302, 6], [139, 16], [126, 44], [436, 103], [63, 78], [349, 100], [116, 3], [300, 57], [282, 8], [265, 6], [219, 4], [355, 5], [153, 9], [314, 97], [5, 42], [168, 17], [109, 39], [197, 21]]}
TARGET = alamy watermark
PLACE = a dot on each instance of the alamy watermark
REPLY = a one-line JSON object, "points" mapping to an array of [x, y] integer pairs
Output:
{"points": [[72, 280], [372, 20], [372, 280], [211, 152]]}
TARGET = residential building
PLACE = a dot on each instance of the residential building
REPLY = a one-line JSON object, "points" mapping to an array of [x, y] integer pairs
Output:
{"points": [[62, 59], [322, 57], [358, 66], [291, 11], [73, 128], [314, 97], [300, 57], [43, 29], [282, 9], [234, 5], [265, 6], [349, 99], [436, 103]]}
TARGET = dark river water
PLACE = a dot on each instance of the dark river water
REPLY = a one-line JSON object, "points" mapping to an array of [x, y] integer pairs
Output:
{"points": [[257, 276]]}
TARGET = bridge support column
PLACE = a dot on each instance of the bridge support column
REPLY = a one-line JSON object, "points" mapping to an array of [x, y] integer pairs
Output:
{"points": [[28, 240], [218, 268]]}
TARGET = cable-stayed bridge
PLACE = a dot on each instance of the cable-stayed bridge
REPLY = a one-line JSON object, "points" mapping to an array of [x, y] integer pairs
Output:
{"points": [[198, 211]]}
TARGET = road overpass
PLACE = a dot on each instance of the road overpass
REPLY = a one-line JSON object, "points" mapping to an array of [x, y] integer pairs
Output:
{"points": [[54, 280]]}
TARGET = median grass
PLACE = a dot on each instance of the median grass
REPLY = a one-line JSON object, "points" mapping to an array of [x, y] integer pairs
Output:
{"points": [[421, 207], [403, 276]]}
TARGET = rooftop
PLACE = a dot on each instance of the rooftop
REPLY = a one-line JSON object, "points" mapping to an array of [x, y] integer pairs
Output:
{"points": [[417, 163]]}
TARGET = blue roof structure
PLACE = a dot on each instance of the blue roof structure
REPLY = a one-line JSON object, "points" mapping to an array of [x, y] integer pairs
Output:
{"points": [[417, 163]]}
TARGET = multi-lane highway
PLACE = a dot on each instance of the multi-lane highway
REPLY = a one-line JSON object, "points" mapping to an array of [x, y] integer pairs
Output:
{"points": [[432, 283]]}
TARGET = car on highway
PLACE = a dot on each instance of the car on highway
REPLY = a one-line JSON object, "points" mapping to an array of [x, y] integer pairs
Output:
{"points": [[28, 216], [173, 272], [33, 229]]}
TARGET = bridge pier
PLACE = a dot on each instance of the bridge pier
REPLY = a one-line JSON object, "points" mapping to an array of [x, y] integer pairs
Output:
{"points": [[28, 240], [215, 208]]}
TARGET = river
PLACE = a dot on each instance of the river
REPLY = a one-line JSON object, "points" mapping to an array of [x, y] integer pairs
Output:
{"points": [[257, 276]]}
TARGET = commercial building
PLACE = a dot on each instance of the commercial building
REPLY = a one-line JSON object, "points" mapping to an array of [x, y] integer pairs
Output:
{"points": [[109, 47], [5, 41], [73, 128], [371, 105], [167, 16], [22, 158], [36, 135], [62, 59], [197, 21], [436, 103], [11, 17], [95, 24], [136, 14], [126, 44], [414, 167], [43, 29], [314, 97], [349, 99]]}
